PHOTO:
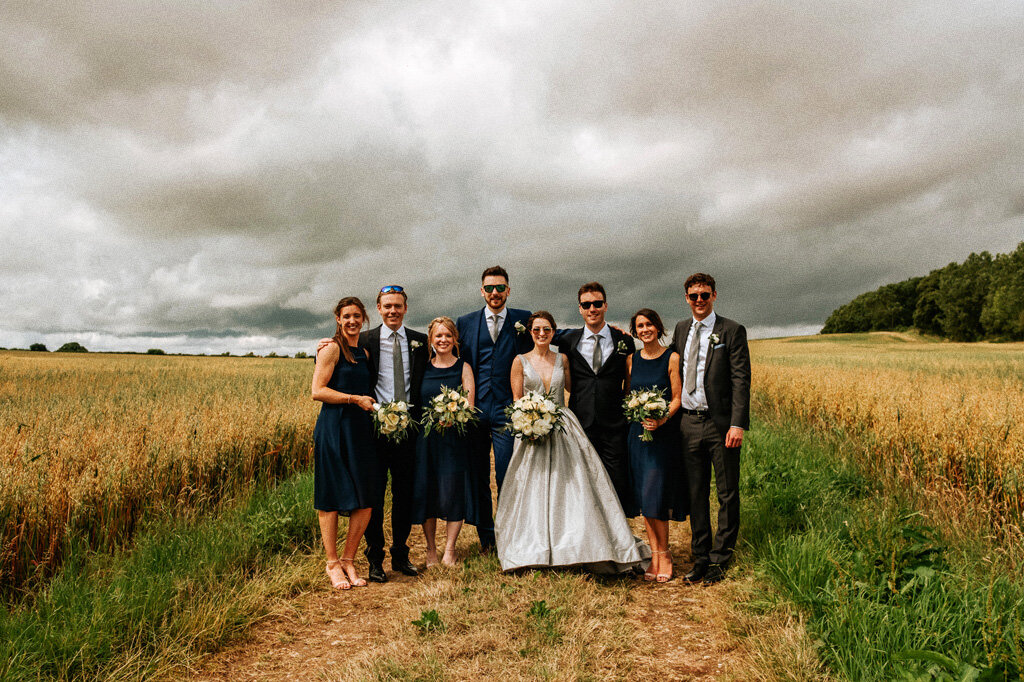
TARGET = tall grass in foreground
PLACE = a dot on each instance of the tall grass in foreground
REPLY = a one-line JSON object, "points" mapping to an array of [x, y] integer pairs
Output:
{"points": [[184, 590], [944, 421], [90, 444], [886, 597]]}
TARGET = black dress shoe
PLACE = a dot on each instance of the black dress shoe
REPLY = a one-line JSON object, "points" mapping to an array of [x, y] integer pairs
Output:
{"points": [[696, 573], [404, 566], [715, 574], [377, 574]]}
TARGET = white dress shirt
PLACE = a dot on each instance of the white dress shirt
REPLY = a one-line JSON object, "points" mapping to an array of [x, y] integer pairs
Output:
{"points": [[385, 368], [586, 344], [697, 400], [489, 315]]}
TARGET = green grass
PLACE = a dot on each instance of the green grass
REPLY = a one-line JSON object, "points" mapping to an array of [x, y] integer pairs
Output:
{"points": [[185, 589], [885, 595]]}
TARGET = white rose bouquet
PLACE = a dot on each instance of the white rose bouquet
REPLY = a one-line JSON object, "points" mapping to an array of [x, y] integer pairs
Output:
{"points": [[392, 420], [449, 409], [645, 404], [534, 416]]}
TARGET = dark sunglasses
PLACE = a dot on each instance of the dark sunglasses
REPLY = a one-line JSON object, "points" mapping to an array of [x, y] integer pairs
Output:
{"points": [[541, 330], [391, 289], [586, 304], [704, 295], [491, 288]]}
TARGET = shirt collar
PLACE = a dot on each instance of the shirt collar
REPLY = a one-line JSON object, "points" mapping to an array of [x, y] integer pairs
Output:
{"points": [[500, 314], [386, 331], [606, 332], [708, 322]]}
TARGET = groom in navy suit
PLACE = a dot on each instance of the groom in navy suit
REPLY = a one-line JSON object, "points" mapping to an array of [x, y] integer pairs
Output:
{"points": [[489, 342]]}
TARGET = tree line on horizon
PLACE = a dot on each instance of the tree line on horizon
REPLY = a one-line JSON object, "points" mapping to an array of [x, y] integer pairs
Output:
{"points": [[981, 299]]}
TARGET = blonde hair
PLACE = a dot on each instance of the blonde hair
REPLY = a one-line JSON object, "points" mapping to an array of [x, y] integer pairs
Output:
{"points": [[450, 324]]}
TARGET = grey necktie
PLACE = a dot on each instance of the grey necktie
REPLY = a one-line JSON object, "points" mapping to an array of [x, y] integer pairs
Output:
{"points": [[398, 366], [596, 361], [691, 360], [494, 328]]}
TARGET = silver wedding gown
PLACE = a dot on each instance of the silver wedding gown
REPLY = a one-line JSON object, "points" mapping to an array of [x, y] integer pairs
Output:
{"points": [[557, 505]]}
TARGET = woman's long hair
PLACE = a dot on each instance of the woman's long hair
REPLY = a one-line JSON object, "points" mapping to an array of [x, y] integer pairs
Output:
{"points": [[338, 336], [447, 322]]}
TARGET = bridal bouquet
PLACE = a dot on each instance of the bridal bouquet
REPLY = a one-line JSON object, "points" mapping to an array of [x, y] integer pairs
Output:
{"points": [[449, 409], [646, 404], [392, 419], [533, 416]]}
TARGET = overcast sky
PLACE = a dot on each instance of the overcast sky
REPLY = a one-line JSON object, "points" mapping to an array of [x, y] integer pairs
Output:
{"points": [[205, 177]]}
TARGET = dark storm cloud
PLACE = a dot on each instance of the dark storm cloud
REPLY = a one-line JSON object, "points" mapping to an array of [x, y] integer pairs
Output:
{"points": [[213, 174]]}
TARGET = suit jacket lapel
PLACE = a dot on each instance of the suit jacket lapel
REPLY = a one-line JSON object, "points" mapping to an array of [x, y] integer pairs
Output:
{"points": [[711, 346]]}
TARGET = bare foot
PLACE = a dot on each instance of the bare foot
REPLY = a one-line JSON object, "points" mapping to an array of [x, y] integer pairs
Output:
{"points": [[337, 575], [449, 559], [431, 558], [350, 571]]}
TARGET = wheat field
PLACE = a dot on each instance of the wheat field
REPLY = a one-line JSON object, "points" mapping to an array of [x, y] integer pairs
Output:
{"points": [[92, 443], [943, 420]]}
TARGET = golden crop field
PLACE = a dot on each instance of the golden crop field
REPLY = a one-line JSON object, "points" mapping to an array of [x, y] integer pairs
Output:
{"points": [[945, 420], [91, 443]]}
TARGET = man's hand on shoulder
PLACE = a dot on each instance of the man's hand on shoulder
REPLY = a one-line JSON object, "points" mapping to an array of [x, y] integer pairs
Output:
{"points": [[322, 343]]}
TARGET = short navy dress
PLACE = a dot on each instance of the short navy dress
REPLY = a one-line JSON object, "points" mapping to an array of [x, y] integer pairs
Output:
{"points": [[442, 485], [344, 459], [656, 468]]}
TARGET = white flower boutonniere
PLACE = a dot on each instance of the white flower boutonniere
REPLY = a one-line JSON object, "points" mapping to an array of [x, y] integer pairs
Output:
{"points": [[623, 348], [714, 338], [414, 344], [520, 328]]}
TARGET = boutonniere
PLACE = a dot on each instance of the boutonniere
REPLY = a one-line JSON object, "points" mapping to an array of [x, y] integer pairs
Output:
{"points": [[520, 328], [414, 344], [714, 338], [622, 347]]}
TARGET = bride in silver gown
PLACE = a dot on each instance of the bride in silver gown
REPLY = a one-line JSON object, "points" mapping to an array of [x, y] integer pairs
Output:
{"points": [[557, 506]]}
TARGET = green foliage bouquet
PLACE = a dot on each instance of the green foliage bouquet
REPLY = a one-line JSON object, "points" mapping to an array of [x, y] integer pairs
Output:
{"points": [[646, 404]]}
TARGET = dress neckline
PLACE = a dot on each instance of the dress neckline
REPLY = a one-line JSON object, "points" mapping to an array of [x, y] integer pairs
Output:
{"points": [[554, 366]]}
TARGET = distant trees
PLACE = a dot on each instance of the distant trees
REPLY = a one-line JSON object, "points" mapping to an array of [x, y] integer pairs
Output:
{"points": [[156, 351], [981, 298], [72, 347], [38, 346], [301, 354]]}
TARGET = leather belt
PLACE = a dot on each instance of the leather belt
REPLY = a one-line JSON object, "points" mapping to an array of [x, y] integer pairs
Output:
{"points": [[695, 413]]}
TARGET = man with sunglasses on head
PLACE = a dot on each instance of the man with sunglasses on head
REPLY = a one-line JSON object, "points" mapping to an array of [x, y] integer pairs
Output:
{"points": [[715, 371], [398, 357], [597, 361], [489, 342]]}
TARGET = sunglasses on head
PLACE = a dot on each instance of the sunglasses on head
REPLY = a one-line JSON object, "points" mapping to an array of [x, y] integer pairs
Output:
{"points": [[491, 288], [391, 289], [704, 296], [586, 304]]}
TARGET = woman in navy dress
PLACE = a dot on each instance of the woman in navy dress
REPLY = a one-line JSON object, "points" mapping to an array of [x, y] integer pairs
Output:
{"points": [[656, 467], [345, 479], [443, 487]]}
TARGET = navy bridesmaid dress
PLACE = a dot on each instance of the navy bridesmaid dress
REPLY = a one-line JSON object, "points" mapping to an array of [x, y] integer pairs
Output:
{"points": [[656, 468], [442, 485], [345, 474]]}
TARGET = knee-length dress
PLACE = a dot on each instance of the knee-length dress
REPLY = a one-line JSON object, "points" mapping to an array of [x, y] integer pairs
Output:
{"points": [[345, 474], [656, 468], [442, 484]]}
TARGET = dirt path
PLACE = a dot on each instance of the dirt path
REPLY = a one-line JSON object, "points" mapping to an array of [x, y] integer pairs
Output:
{"points": [[679, 632]]}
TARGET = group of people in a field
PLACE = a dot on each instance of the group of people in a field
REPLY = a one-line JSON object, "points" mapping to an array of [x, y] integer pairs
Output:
{"points": [[564, 499]]}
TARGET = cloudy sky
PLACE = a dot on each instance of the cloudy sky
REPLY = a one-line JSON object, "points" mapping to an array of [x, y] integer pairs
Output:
{"points": [[206, 176]]}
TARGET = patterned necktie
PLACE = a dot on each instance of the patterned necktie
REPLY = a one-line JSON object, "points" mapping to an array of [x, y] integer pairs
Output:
{"points": [[596, 360], [691, 360], [494, 328], [398, 366]]}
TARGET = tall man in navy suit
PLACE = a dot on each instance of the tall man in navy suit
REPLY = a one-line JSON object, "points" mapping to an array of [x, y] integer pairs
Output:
{"points": [[715, 368], [489, 342], [597, 361]]}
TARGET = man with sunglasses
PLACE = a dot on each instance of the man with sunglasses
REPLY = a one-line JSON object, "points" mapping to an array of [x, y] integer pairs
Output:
{"points": [[489, 342], [398, 357], [715, 369], [597, 360]]}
